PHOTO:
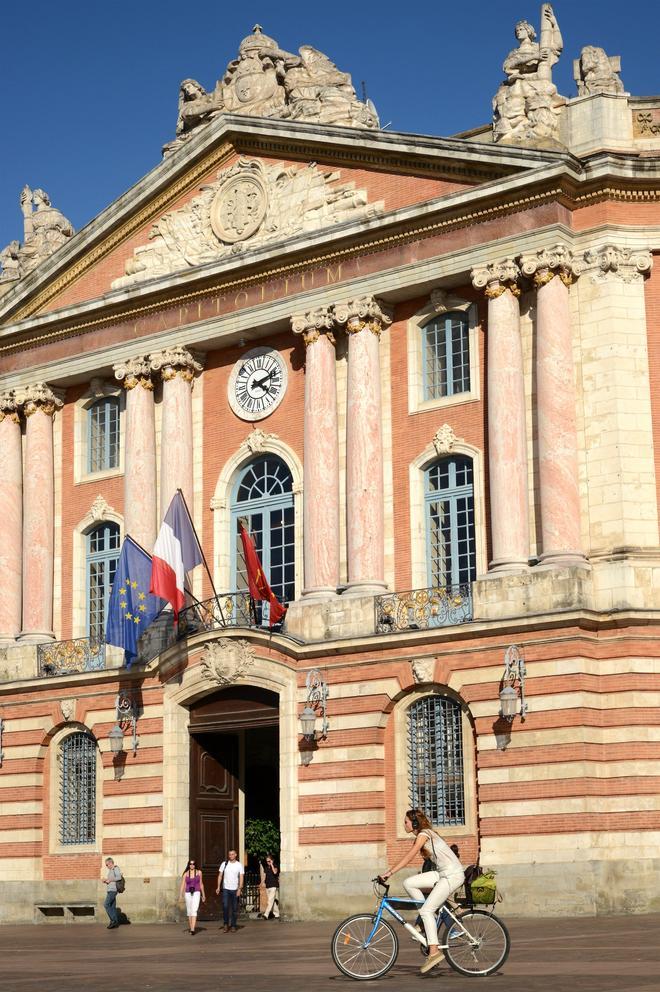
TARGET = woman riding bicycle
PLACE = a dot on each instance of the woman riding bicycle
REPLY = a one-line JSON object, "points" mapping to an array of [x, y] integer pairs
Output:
{"points": [[448, 875]]}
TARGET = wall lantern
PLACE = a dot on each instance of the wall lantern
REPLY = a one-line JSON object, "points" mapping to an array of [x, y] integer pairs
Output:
{"points": [[116, 738], [513, 685], [315, 706]]}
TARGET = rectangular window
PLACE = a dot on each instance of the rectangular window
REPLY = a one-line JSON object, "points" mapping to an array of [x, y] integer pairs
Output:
{"points": [[446, 357], [103, 435], [435, 760], [78, 790]]}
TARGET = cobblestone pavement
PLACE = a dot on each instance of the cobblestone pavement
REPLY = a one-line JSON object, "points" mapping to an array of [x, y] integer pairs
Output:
{"points": [[603, 954]]}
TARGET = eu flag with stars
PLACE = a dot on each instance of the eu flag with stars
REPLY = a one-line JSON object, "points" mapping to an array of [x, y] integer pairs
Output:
{"points": [[131, 607]]}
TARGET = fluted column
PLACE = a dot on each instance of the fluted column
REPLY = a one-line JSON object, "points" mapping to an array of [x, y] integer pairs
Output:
{"points": [[321, 454], [177, 366], [365, 320], [553, 270], [507, 438], [39, 403], [11, 519], [140, 510]]}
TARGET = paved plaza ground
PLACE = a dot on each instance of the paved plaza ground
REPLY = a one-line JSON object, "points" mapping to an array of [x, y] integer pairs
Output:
{"points": [[602, 954]]}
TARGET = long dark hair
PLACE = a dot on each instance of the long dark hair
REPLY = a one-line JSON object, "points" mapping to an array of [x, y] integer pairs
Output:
{"points": [[187, 868]]}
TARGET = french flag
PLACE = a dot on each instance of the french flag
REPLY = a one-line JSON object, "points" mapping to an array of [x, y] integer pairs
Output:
{"points": [[176, 552]]}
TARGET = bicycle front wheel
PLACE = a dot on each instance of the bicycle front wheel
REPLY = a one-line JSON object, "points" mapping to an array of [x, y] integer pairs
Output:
{"points": [[478, 944], [362, 953]]}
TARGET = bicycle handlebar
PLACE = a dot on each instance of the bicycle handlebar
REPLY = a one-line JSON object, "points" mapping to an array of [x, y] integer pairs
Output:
{"points": [[381, 881]]}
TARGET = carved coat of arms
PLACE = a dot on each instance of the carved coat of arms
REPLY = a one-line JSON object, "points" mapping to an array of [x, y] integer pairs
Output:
{"points": [[226, 661]]}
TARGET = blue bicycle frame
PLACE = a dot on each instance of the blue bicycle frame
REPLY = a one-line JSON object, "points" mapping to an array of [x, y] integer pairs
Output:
{"points": [[444, 915]]}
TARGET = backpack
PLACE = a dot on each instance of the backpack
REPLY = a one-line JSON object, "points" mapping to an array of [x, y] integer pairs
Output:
{"points": [[480, 886], [120, 883]]}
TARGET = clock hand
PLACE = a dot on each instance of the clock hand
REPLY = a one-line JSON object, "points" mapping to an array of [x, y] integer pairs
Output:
{"points": [[260, 382]]}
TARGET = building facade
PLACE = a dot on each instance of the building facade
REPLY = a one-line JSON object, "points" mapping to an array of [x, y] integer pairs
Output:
{"points": [[426, 372]]}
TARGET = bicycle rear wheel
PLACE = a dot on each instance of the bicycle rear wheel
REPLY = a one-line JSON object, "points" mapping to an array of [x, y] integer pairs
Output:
{"points": [[355, 957], [479, 946]]}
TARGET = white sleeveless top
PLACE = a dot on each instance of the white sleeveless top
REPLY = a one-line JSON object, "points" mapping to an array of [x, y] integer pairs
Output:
{"points": [[442, 854]]}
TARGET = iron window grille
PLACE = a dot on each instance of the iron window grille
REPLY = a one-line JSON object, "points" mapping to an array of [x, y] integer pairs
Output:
{"points": [[78, 789], [446, 356], [103, 435], [435, 760]]}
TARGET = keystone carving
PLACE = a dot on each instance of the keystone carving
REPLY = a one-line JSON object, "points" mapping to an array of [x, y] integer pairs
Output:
{"points": [[423, 669], [257, 439], [68, 707], [444, 439], [226, 661]]}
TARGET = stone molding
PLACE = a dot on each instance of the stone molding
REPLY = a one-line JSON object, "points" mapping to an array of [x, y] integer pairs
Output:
{"points": [[226, 661], [176, 360], [496, 277], [40, 396], [442, 301], [313, 323], [134, 372], [543, 265], [611, 262], [9, 407], [364, 312]]}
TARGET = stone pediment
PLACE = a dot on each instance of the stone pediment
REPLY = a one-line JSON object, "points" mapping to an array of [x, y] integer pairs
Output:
{"points": [[250, 204]]}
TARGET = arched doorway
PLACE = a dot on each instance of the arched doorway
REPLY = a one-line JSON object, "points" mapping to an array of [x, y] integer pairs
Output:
{"points": [[234, 774]]}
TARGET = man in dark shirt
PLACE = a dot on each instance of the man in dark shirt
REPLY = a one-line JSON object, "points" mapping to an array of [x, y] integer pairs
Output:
{"points": [[272, 883]]}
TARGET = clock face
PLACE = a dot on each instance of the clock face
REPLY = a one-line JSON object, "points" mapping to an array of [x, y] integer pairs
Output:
{"points": [[257, 384]]}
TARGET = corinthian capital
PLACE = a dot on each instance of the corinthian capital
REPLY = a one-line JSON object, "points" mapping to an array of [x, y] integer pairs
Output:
{"points": [[363, 312], [176, 360], [496, 277], [313, 323], [40, 396], [545, 264], [611, 262], [134, 372], [9, 407]]}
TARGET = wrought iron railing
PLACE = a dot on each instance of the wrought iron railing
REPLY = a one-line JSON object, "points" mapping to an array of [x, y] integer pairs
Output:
{"points": [[82, 654], [230, 609], [251, 893], [422, 609]]}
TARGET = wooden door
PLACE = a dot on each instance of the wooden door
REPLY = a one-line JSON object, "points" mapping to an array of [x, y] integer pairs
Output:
{"points": [[214, 792]]}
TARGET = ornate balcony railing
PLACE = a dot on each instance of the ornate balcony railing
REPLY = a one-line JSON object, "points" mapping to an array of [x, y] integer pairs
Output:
{"points": [[82, 654], [230, 609], [423, 609]]}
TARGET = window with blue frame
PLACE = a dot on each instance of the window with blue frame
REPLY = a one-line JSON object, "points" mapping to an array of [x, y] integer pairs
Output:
{"points": [[446, 356], [102, 557], [78, 789], [263, 498], [103, 435], [450, 538], [435, 760]]}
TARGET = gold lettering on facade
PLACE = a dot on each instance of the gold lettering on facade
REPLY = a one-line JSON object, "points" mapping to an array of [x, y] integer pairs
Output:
{"points": [[333, 275]]}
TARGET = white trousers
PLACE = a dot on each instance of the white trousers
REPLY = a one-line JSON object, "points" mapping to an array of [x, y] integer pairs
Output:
{"points": [[192, 902], [272, 906], [441, 887]]}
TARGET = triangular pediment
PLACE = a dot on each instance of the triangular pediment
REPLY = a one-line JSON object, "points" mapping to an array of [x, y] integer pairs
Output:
{"points": [[245, 187]]}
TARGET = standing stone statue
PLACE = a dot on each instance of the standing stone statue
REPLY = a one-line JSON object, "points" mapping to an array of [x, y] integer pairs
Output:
{"points": [[45, 229], [526, 106], [596, 72]]}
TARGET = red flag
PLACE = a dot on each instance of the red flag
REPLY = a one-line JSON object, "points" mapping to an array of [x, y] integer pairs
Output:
{"points": [[257, 581]]}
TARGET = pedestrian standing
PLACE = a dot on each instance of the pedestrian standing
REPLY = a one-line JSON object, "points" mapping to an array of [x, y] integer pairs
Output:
{"points": [[272, 884], [113, 874], [192, 889], [230, 880]]}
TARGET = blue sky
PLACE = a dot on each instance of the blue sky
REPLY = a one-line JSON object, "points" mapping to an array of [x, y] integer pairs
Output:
{"points": [[91, 88]]}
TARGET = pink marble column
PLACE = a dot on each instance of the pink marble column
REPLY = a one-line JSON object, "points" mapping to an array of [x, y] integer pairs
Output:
{"points": [[553, 270], [364, 320], [321, 455], [140, 509], [11, 519], [177, 366], [39, 404], [507, 438]]}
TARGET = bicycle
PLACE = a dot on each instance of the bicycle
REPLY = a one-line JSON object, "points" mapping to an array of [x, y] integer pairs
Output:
{"points": [[365, 946]]}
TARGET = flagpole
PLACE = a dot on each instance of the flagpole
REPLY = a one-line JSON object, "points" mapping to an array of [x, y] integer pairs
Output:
{"points": [[201, 550]]}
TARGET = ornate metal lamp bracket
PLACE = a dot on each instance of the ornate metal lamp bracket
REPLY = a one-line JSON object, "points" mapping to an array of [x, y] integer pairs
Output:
{"points": [[127, 712], [317, 695]]}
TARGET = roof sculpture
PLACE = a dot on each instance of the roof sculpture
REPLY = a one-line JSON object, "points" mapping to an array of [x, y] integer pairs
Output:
{"points": [[45, 229], [265, 81]]}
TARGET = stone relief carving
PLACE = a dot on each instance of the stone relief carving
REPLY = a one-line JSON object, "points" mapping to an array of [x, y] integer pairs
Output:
{"points": [[100, 508], [611, 262], [249, 202], [45, 230], [9, 406], [265, 81], [544, 264], [226, 661], [257, 439], [40, 396], [176, 360], [363, 312], [443, 301], [597, 72], [526, 106], [496, 277], [313, 323], [444, 439], [423, 669], [68, 707]]}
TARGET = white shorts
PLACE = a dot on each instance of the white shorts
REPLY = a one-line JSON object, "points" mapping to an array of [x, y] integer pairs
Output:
{"points": [[192, 902]]}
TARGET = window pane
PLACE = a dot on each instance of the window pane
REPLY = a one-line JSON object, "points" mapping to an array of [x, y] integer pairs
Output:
{"points": [[435, 760], [102, 557], [451, 546], [78, 790], [103, 435], [446, 357]]}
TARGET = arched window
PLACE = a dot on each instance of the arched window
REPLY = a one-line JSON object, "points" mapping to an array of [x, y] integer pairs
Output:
{"points": [[102, 557], [446, 356], [78, 789], [263, 496], [449, 500], [103, 435], [435, 760]]}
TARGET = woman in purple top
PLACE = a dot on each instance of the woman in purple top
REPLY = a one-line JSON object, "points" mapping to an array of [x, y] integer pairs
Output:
{"points": [[192, 888]]}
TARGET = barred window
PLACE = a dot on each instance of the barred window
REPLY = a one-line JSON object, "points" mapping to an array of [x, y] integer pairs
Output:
{"points": [[435, 760], [103, 435], [78, 789], [446, 356]]}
